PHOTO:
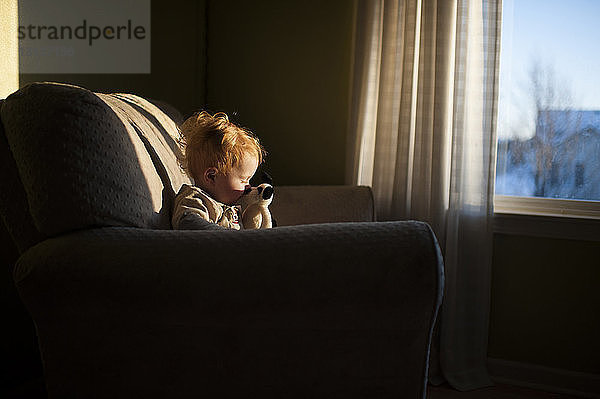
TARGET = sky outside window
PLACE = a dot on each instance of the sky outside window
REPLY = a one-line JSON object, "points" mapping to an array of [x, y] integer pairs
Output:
{"points": [[562, 35]]}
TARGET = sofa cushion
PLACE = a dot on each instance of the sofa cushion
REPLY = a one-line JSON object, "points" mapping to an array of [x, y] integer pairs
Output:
{"points": [[88, 159], [293, 205], [158, 132]]}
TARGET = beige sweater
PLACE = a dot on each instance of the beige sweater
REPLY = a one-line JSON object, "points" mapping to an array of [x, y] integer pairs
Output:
{"points": [[195, 209]]}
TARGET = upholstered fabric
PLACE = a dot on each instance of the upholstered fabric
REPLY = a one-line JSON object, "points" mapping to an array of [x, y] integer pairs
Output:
{"points": [[14, 208], [321, 204], [323, 311], [83, 158], [168, 109], [159, 134]]}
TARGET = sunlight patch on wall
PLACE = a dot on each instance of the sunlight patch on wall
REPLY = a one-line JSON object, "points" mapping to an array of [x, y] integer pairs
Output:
{"points": [[9, 51]]}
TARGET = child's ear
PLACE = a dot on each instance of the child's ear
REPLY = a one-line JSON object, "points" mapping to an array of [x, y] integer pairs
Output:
{"points": [[210, 174]]}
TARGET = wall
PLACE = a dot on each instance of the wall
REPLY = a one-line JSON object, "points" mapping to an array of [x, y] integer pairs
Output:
{"points": [[545, 304], [9, 50], [177, 60], [284, 68]]}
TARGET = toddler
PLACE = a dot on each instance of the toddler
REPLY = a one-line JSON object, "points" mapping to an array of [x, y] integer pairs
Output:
{"points": [[221, 158]]}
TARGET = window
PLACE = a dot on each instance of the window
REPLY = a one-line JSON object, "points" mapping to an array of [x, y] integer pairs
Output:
{"points": [[549, 109], [579, 175]]}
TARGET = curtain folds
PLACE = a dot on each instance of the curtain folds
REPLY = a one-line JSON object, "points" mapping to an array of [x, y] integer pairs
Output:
{"points": [[422, 135]]}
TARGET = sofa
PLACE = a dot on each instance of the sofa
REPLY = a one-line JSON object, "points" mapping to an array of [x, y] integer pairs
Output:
{"points": [[329, 304]]}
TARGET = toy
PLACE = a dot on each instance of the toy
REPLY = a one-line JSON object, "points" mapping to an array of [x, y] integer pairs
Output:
{"points": [[255, 207]]}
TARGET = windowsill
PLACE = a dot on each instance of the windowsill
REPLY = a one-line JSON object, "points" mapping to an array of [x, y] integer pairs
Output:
{"points": [[547, 207], [547, 217]]}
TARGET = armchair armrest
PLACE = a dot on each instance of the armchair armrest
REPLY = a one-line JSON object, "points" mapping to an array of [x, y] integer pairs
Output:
{"points": [[293, 205], [307, 310]]}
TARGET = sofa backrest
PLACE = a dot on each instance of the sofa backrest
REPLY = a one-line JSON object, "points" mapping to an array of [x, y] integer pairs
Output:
{"points": [[77, 159], [14, 208]]}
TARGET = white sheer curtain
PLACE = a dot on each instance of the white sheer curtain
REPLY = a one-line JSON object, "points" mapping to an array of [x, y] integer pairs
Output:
{"points": [[422, 135]]}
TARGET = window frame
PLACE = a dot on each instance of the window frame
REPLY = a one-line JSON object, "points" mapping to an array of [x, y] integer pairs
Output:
{"points": [[539, 206], [547, 217], [544, 216]]}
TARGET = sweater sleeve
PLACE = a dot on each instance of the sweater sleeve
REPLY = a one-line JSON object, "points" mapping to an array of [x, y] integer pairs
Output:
{"points": [[190, 212]]}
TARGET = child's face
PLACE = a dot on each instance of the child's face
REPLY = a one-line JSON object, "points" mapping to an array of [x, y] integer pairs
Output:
{"points": [[230, 187]]}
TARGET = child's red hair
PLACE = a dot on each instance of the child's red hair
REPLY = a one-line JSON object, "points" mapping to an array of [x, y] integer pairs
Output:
{"points": [[213, 141]]}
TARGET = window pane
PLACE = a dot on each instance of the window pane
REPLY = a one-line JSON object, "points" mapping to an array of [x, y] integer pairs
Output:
{"points": [[549, 100]]}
